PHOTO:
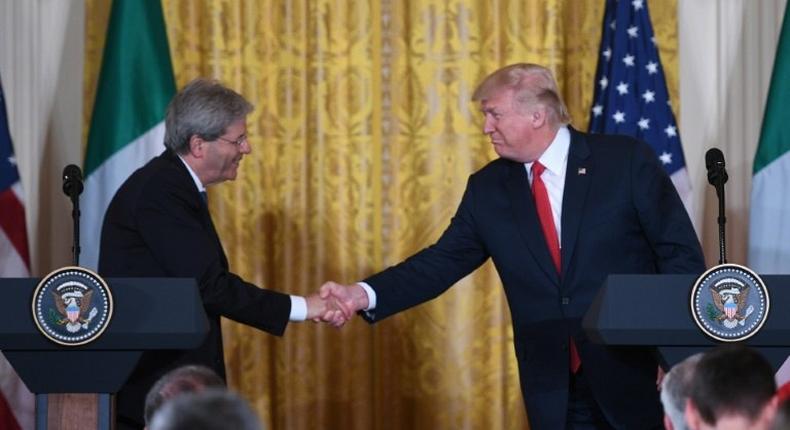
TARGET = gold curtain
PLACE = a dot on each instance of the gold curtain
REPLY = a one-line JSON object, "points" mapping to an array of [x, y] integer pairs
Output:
{"points": [[363, 137]]}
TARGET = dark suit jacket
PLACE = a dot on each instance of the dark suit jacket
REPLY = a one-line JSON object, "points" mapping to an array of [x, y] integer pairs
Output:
{"points": [[158, 226], [620, 214]]}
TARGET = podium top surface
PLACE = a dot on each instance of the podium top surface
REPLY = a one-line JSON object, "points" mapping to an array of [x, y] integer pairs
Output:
{"points": [[655, 310], [150, 313]]}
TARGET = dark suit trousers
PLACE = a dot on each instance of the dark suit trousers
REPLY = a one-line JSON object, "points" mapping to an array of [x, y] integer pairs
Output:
{"points": [[583, 410]]}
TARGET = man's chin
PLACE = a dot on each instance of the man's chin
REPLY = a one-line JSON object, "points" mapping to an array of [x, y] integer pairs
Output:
{"points": [[231, 175], [501, 152]]}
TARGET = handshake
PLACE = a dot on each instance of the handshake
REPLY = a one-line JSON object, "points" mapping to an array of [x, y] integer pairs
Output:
{"points": [[336, 304]]}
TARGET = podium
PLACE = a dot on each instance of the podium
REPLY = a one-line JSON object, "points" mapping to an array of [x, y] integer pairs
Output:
{"points": [[150, 313], [654, 310]]}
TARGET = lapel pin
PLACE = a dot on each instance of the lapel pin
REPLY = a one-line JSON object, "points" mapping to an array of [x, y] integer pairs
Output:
{"points": [[582, 171]]}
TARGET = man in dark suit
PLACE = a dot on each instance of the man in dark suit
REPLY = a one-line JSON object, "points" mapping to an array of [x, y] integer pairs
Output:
{"points": [[158, 225], [557, 212]]}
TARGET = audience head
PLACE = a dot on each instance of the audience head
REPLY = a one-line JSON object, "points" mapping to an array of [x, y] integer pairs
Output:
{"points": [[733, 387], [207, 410], [184, 379], [675, 390]]}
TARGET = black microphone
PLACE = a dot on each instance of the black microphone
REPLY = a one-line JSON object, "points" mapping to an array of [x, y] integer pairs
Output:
{"points": [[72, 181], [714, 162], [72, 186], [717, 176]]}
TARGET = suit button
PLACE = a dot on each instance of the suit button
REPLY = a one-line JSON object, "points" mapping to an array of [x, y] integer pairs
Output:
{"points": [[566, 300]]}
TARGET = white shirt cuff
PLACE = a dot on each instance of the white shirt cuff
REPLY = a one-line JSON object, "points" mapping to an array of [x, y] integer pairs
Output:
{"points": [[298, 308], [371, 295]]}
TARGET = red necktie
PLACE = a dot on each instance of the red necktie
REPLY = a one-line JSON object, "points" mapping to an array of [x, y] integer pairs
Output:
{"points": [[544, 214], [543, 206]]}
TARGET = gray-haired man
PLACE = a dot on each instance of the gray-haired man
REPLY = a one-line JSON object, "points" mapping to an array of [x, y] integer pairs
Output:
{"points": [[158, 225]]}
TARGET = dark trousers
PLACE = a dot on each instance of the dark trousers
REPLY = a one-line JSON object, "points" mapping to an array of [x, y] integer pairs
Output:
{"points": [[583, 411]]}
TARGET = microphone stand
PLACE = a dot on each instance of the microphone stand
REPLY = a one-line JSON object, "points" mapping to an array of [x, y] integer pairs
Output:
{"points": [[722, 220], [75, 215]]}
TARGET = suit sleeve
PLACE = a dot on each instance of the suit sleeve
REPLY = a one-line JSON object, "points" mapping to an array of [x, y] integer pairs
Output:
{"points": [[663, 217], [430, 272], [182, 239]]}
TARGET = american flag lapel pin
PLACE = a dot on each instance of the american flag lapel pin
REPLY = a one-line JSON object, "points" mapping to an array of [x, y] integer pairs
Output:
{"points": [[582, 171]]}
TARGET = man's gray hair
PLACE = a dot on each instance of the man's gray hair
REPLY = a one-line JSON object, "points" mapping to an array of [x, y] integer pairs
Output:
{"points": [[206, 410], [204, 108], [675, 390]]}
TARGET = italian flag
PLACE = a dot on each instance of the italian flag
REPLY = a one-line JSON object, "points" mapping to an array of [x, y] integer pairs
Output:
{"points": [[769, 229], [127, 127]]}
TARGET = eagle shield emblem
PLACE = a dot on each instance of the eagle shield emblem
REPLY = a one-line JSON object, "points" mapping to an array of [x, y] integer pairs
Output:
{"points": [[72, 306], [729, 303], [75, 305], [730, 297]]}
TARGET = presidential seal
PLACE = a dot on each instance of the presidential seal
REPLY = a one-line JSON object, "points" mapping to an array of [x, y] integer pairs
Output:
{"points": [[729, 303], [72, 306]]}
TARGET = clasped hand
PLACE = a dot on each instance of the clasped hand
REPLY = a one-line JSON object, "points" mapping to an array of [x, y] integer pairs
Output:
{"points": [[336, 304]]}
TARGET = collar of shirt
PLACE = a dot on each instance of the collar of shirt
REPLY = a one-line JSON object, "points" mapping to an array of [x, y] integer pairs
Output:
{"points": [[198, 184], [555, 157]]}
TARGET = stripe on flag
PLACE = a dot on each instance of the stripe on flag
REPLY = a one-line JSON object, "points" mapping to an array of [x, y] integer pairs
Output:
{"points": [[16, 402]]}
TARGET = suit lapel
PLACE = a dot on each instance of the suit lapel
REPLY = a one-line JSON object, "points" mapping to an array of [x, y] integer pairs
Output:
{"points": [[213, 230], [209, 223], [577, 182], [526, 218], [197, 201]]}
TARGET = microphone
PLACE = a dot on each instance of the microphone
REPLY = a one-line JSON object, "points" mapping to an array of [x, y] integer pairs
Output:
{"points": [[714, 162], [717, 176], [72, 181], [72, 186]]}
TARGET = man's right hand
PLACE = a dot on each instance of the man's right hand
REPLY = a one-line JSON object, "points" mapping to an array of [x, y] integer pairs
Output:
{"points": [[348, 299]]}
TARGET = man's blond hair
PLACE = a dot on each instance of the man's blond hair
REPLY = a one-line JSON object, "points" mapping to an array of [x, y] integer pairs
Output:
{"points": [[531, 84]]}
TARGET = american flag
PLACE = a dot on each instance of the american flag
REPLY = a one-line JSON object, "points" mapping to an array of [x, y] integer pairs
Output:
{"points": [[631, 94], [16, 402]]}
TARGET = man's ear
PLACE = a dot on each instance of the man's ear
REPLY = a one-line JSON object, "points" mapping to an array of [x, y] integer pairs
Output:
{"points": [[668, 423], [693, 420], [769, 410], [197, 146], [538, 116]]}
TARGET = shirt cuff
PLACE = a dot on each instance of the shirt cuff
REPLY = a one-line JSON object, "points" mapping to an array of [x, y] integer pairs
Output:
{"points": [[371, 295], [298, 308]]}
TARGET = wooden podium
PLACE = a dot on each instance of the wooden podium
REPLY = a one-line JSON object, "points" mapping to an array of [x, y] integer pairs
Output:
{"points": [[74, 384]]}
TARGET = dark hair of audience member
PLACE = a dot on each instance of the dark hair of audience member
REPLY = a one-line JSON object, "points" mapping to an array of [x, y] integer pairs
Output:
{"points": [[732, 379]]}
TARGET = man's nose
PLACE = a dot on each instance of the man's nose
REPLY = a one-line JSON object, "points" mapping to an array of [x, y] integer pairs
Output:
{"points": [[245, 147], [488, 126]]}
